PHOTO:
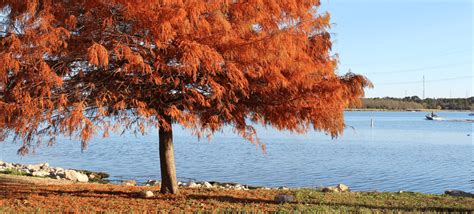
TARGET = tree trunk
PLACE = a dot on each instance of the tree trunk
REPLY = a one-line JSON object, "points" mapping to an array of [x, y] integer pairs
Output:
{"points": [[169, 183]]}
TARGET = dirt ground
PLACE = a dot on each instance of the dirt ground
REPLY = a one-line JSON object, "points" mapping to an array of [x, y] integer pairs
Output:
{"points": [[33, 194], [27, 194]]}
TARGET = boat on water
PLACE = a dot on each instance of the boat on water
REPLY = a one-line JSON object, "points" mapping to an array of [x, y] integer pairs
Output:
{"points": [[433, 116]]}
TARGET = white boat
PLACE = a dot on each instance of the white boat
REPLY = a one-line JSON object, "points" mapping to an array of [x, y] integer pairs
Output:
{"points": [[433, 116]]}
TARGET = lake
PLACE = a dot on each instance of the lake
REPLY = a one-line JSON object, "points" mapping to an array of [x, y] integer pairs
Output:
{"points": [[402, 151]]}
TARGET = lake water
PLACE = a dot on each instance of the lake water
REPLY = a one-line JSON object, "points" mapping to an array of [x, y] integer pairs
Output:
{"points": [[403, 151]]}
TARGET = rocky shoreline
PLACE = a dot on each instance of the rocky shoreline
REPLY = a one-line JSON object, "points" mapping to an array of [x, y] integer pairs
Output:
{"points": [[44, 170]]}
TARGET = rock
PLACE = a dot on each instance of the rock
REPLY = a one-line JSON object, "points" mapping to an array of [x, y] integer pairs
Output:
{"points": [[61, 174], [458, 193], [37, 167], [44, 166], [283, 188], [338, 188], [330, 189], [154, 183], [284, 198], [240, 187], [82, 178], [146, 194], [129, 183], [32, 168], [342, 188], [56, 171], [24, 171], [75, 176], [207, 185], [91, 176], [40, 173], [8, 165], [193, 185], [247, 187], [70, 175]]}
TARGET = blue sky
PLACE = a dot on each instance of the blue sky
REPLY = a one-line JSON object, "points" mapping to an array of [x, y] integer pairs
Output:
{"points": [[396, 43]]}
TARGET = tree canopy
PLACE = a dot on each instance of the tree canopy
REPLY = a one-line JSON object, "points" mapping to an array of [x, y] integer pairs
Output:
{"points": [[82, 67]]}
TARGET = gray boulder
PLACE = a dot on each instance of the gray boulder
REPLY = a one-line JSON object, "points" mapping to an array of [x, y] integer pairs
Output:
{"points": [[146, 194], [338, 188], [342, 188], [330, 189], [33, 168], [207, 184], [458, 193], [8, 165], [129, 183], [44, 166], [194, 185], [75, 176], [284, 198], [40, 173], [153, 183]]}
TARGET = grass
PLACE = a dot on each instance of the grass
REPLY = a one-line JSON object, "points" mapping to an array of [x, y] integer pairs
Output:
{"points": [[385, 201], [13, 172], [110, 198]]}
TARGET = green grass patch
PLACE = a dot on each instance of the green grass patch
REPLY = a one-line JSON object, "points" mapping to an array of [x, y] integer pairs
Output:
{"points": [[13, 172], [385, 201]]}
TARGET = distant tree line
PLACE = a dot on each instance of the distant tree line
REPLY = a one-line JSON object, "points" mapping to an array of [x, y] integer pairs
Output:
{"points": [[414, 102]]}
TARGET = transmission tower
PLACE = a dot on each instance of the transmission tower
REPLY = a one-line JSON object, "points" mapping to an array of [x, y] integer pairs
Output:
{"points": [[423, 87]]}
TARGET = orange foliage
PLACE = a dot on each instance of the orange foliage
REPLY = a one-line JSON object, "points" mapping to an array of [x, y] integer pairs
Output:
{"points": [[72, 67]]}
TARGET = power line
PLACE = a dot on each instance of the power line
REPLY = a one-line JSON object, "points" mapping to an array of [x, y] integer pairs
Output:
{"points": [[410, 58], [421, 68], [417, 82]]}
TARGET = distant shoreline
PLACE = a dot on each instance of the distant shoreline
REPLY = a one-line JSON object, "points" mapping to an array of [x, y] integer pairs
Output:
{"points": [[415, 103], [405, 110]]}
